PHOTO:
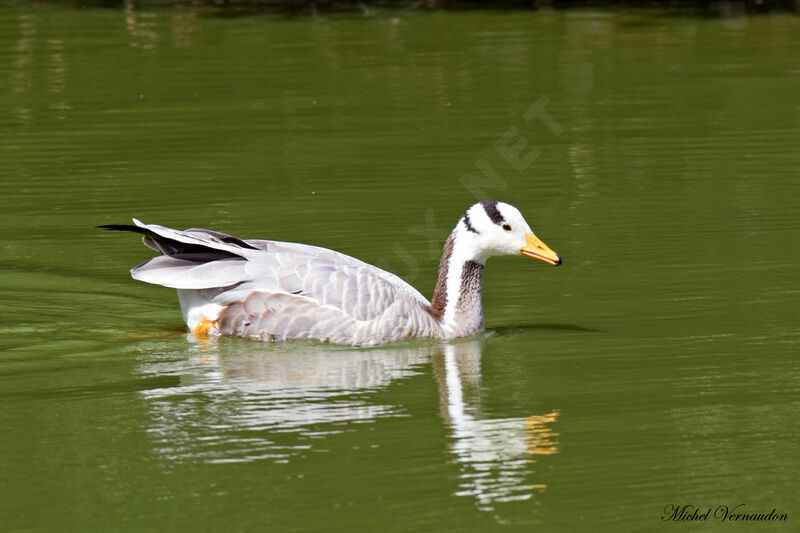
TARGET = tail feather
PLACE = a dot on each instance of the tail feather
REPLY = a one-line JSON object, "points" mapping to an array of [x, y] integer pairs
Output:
{"points": [[203, 245], [180, 274], [192, 259]]}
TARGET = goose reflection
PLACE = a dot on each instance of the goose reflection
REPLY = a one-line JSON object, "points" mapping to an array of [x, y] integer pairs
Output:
{"points": [[241, 401], [494, 454]]}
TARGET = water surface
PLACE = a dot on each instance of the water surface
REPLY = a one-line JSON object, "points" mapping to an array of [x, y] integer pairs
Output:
{"points": [[657, 155]]}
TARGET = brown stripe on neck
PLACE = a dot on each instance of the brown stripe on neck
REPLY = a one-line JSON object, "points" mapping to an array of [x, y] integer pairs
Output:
{"points": [[439, 300], [469, 309], [471, 276], [471, 285]]}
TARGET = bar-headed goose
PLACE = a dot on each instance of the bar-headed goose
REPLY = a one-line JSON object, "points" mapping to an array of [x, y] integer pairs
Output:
{"points": [[273, 290]]}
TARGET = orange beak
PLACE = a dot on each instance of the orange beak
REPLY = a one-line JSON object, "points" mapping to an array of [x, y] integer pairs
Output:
{"points": [[538, 250]]}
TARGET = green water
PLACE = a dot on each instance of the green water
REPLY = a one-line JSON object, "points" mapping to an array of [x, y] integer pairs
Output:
{"points": [[657, 155]]}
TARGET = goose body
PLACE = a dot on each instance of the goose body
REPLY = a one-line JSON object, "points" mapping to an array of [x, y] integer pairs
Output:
{"points": [[272, 290]]}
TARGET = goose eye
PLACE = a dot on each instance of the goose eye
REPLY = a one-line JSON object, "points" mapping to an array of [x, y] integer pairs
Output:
{"points": [[506, 227]]}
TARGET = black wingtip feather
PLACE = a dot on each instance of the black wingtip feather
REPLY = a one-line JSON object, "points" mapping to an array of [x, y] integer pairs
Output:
{"points": [[176, 248], [120, 227]]}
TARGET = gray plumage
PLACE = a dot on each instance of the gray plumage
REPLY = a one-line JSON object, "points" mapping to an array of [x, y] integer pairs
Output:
{"points": [[273, 290]]}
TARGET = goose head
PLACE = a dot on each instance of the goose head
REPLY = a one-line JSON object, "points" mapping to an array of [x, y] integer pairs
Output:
{"points": [[491, 228]]}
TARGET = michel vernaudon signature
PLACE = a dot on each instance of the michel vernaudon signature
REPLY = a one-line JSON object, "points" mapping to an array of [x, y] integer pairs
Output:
{"points": [[723, 513]]}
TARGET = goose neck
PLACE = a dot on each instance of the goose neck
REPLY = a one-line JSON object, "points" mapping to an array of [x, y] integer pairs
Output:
{"points": [[456, 301]]}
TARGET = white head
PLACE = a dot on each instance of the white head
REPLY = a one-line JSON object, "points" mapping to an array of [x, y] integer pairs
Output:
{"points": [[495, 228]]}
